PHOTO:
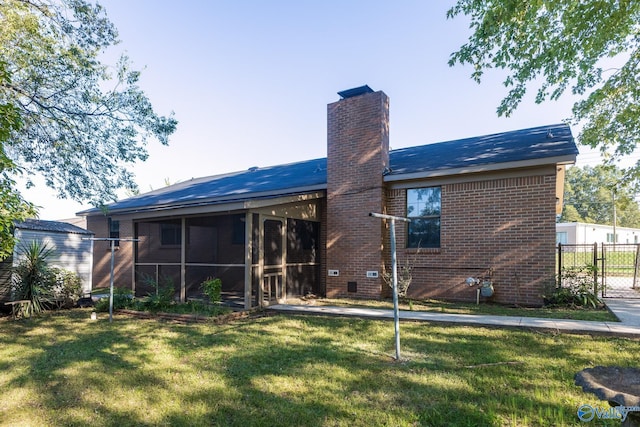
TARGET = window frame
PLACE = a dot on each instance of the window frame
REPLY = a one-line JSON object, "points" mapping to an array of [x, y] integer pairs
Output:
{"points": [[435, 218], [562, 237], [113, 225], [175, 229]]}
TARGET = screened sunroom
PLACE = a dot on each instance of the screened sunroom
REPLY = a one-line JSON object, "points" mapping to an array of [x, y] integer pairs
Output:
{"points": [[262, 255]]}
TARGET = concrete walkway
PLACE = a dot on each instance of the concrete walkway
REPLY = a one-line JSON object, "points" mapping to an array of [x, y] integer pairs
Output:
{"points": [[628, 311]]}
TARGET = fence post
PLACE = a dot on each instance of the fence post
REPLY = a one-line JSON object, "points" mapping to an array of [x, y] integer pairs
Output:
{"points": [[636, 264], [559, 284], [595, 270]]}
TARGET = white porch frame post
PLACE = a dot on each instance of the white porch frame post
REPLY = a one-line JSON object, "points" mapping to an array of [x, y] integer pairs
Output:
{"points": [[394, 270], [248, 259], [283, 261], [134, 255], [183, 261], [260, 278]]}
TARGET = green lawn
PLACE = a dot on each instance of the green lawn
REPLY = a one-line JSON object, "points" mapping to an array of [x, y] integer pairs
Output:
{"points": [[64, 369]]}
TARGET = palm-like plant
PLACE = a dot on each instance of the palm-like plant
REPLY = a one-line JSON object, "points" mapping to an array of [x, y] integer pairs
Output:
{"points": [[32, 278]]}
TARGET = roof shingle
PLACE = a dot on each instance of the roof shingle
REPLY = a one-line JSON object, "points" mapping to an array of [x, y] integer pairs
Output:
{"points": [[545, 142]]}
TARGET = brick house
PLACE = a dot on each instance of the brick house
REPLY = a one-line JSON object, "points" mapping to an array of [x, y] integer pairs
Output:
{"points": [[478, 206]]}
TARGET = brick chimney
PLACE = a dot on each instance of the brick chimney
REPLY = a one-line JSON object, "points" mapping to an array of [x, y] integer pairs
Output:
{"points": [[357, 155]]}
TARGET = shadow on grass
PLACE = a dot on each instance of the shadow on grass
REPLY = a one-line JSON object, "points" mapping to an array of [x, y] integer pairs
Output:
{"points": [[290, 371]]}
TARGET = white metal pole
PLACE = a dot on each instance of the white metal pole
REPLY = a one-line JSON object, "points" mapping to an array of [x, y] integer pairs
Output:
{"points": [[394, 274], [113, 243], [394, 267]]}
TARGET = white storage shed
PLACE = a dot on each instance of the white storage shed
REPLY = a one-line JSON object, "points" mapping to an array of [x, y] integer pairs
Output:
{"points": [[72, 246]]}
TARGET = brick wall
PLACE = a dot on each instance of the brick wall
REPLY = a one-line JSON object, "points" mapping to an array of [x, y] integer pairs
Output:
{"points": [[123, 265], [357, 153], [506, 224]]}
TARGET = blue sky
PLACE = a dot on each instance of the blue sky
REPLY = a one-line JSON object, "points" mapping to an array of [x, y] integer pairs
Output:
{"points": [[249, 81]]}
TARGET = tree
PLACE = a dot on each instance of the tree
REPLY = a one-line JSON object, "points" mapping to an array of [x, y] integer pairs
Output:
{"points": [[561, 44], [590, 193], [12, 206], [81, 123]]}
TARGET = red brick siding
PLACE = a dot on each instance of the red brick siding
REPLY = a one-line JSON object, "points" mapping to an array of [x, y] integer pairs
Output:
{"points": [[505, 224], [123, 265], [357, 153]]}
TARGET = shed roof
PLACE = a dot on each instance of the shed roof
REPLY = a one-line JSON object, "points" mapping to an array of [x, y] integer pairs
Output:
{"points": [[50, 226], [544, 144]]}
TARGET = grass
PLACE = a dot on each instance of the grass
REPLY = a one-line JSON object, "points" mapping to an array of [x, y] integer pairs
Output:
{"points": [[600, 315], [63, 369]]}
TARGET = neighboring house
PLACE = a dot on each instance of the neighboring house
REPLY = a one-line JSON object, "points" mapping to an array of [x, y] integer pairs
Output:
{"points": [[478, 206], [71, 245], [573, 233]]}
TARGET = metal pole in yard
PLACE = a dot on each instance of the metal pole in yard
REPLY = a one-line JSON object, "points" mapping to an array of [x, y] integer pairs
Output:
{"points": [[394, 270], [112, 244], [595, 269]]}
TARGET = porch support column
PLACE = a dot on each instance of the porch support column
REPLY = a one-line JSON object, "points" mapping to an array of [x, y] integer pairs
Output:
{"points": [[260, 260], [183, 261], [284, 261], [248, 251], [134, 255]]}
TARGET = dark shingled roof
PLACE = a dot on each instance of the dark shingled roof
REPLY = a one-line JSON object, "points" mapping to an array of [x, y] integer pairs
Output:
{"points": [[51, 226], [545, 142], [517, 146]]}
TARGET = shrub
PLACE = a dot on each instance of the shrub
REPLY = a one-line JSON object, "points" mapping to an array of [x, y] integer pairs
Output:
{"points": [[575, 289], [403, 280], [67, 288], [122, 298], [32, 279], [212, 288], [161, 298]]}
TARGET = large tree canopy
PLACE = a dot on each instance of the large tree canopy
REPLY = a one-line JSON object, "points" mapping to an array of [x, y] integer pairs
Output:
{"points": [[81, 123], [556, 45], [590, 194], [12, 206]]}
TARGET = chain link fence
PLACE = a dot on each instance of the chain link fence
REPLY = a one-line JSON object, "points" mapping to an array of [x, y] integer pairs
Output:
{"points": [[617, 267]]}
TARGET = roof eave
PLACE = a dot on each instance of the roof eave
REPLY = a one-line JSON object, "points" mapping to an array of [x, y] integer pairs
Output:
{"points": [[491, 167], [223, 203]]}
